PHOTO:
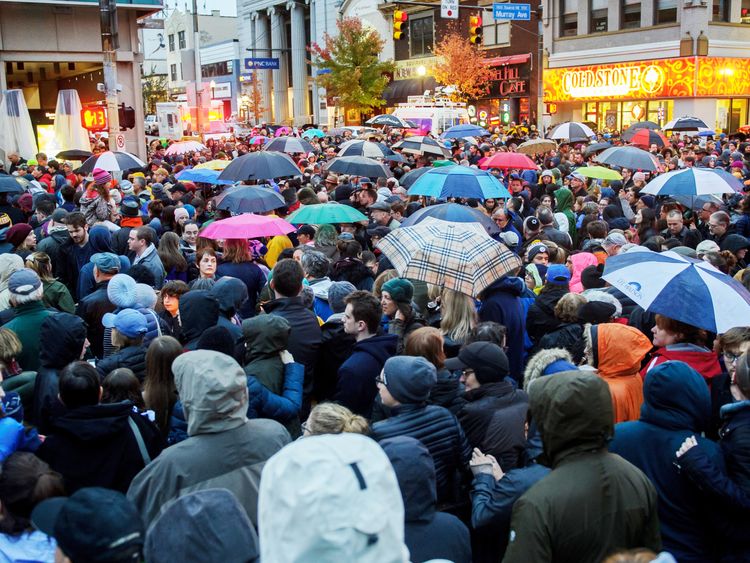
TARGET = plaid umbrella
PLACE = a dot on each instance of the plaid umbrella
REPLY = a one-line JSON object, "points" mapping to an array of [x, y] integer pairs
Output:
{"points": [[422, 145], [459, 256]]}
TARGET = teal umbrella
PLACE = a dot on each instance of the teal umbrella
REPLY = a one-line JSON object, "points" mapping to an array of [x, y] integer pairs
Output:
{"points": [[313, 133], [326, 213], [459, 181]]}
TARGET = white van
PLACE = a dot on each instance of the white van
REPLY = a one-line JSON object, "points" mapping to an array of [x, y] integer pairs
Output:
{"points": [[432, 115]]}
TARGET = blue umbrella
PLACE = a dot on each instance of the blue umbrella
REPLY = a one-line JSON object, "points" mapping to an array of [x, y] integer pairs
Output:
{"points": [[202, 175], [454, 213], [693, 182], [260, 165], [9, 185], [464, 130], [688, 290], [408, 179], [250, 199], [313, 133], [459, 181]]}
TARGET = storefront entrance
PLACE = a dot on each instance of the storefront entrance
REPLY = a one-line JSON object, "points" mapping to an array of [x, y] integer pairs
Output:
{"points": [[617, 116]]}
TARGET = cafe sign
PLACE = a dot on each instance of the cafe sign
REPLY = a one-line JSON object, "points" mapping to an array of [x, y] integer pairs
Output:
{"points": [[509, 81]]}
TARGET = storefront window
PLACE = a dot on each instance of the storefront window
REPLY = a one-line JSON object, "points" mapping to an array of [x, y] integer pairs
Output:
{"points": [[745, 12], [598, 16], [569, 19], [721, 10], [666, 11], [421, 36], [660, 111], [731, 114], [631, 14]]}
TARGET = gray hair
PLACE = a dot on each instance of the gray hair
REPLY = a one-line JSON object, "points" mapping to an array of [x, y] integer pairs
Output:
{"points": [[545, 215], [315, 264], [19, 299]]}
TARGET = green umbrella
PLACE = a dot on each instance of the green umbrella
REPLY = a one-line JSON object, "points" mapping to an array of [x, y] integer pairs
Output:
{"points": [[326, 213], [439, 163], [599, 172]]}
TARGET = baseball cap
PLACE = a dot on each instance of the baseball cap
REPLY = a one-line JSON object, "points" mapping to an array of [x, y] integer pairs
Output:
{"points": [[615, 239], [308, 230], [106, 262], [178, 187], [129, 322], [576, 176], [487, 359], [558, 274], [24, 282], [94, 524], [706, 246], [59, 215]]}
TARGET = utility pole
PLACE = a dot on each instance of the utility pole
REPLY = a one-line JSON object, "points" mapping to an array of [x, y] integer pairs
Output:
{"points": [[540, 70], [110, 44], [198, 75]]}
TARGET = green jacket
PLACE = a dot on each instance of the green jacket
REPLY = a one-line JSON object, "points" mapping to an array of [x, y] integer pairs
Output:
{"points": [[57, 296], [26, 324], [593, 502], [564, 204]]}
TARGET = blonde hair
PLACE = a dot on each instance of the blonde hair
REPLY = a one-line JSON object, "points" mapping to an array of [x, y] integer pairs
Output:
{"points": [[10, 345], [332, 418], [567, 307], [459, 315], [41, 263]]}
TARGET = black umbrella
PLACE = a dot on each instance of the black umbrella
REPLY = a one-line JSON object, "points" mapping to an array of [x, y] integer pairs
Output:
{"points": [[249, 199], [359, 166], [9, 185], [412, 176], [686, 123], [391, 120], [74, 154], [644, 125], [289, 145], [261, 165], [365, 148], [595, 148], [632, 158]]}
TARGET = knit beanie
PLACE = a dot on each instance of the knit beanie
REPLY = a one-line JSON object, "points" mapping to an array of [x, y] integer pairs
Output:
{"points": [[17, 233], [400, 289], [591, 277], [101, 177], [337, 291], [409, 379], [218, 339]]}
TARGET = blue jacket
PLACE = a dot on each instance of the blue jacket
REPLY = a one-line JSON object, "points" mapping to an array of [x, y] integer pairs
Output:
{"points": [[264, 404], [13, 435], [501, 303], [676, 405]]}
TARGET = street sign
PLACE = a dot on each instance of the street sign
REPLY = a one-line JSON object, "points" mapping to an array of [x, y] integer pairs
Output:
{"points": [[507, 11], [94, 118], [120, 142], [261, 63], [449, 9]]}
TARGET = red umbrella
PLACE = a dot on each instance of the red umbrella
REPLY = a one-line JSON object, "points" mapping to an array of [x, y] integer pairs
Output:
{"points": [[644, 138], [507, 160], [247, 225]]}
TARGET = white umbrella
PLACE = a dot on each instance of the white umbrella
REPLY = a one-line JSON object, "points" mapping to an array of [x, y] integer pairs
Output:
{"points": [[184, 147], [573, 131], [693, 182]]}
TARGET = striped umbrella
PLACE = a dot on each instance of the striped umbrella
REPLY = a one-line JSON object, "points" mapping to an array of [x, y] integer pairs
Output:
{"points": [[693, 182], [184, 147], [644, 138], [359, 147], [459, 181], [289, 145], [459, 256], [688, 290], [422, 145], [390, 120], [112, 161], [573, 131]]}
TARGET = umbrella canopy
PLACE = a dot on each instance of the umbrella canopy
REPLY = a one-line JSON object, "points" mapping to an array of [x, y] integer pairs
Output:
{"points": [[644, 138], [537, 146], [212, 165], [112, 161], [629, 157], [310, 133], [697, 202], [706, 133], [464, 130], [440, 163], [686, 123], [289, 145], [458, 256], [422, 145], [408, 179], [249, 199], [8, 185], [359, 147], [326, 213], [258, 140], [184, 147], [573, 131], [247, 225], [681, 288], [693, 182], [459, 181], [202, 175], [599, 172], [508, 160], [453, 213], [355, 130], [283, 130], [390, 120], [261, 165], [644, 125], [359, 166], [594, 148], [74, 154]]}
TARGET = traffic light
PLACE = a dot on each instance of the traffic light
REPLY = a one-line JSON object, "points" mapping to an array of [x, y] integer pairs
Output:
{"points": [[475, 30], [400, 23], [126, 117], [505, 112]]}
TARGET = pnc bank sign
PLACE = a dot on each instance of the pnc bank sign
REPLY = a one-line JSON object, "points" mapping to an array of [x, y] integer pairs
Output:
{"points": [[612, 82]]}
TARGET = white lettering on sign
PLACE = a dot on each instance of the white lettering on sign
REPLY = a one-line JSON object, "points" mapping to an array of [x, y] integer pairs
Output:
{"points": [[449, 9]]}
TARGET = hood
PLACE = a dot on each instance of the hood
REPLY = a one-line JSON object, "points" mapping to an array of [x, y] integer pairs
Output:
{"points": [[265, 335], [580, 262], [415, 472], [379, 347], [320, 288], [63, 336], [213, 389], [620, 349], [9, 263], [199, 310], [231, 293], [705, 361], [95, 423], [676, 397], [509, 284], [563, 200], [100, 239], [538, 364], [573, 412]]}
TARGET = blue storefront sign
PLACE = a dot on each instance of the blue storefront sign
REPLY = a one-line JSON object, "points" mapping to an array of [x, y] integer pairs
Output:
{"points": [[507, 11], [261, 63]]}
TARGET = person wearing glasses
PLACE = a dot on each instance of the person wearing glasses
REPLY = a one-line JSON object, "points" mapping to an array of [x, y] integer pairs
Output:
{"points": [[730, 347], [503, 218]]}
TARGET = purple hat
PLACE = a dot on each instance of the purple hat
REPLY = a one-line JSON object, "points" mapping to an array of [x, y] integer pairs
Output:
{"points": [[101, 177]]}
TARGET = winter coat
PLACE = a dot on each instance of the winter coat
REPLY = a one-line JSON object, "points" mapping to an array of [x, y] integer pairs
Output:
{"points": [[676, 405], [568, 336], [447, 392], [615, 501], [546, 362], [56, 296], [501, 303], [321, 307], [338, 347], [224, 450], [266, 336], [51, 245], [199, 311], [701, 359], [26, 324], [96, 209], [356, 388], [73, 258], [620, 349], [735, 441], [443, 436], [252, 276], [86, 281], [131, 357], [95, 446], [14, 438], [92, 309], [403, 328], [9, 263], [282, 407], [428, 534], [541, 317], [580, 261], [493, 420], [354, 271], [687, 237], [564, 205], [150, 259]]}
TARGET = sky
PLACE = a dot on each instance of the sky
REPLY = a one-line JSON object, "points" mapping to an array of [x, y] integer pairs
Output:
{"points": [[227, 8]]}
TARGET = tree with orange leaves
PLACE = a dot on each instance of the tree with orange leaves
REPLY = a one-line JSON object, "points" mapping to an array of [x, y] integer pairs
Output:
{"points": [[460, 65]]}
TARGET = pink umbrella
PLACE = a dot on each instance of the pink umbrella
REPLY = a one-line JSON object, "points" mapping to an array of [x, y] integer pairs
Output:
{"points": [[282, 131], [247, 225], [508, 160]]}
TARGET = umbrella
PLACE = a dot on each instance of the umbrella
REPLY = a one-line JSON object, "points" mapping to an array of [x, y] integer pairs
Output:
{"points": [[289, 145], [8, 185], [599, 172], [459, 181], [358, 147], [507, 160], [249, 199], [212, 165], [454, 213], [408, 179], [463, 130], [359, 166], [537, 146], [326, 214], [247, 225], [706, 133], [629, 157], [390, 120], [572, 131], [283, 130], [184, 147], [644, 138], [73, 154], [310, 133], [258, 140], [458, 256], [112, 161], [202, 175], [594, 148], [693, 182], [422, 145], [697, 202], [441, 163], [685, 123], [688, 290], [643, 125], [261, 165]]}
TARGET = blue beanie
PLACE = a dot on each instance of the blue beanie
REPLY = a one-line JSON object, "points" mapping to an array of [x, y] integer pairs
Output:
{"points": [[409, 379]]}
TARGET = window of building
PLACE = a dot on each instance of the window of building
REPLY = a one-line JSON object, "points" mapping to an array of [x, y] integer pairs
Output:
{"points": [[494, 33], [666, 11], [631, 14], [721, 10], [223, 68], [421, 36], [568, 18], [171, 42], [598, 16], [745, 11], [173, 72], [181, 39]]}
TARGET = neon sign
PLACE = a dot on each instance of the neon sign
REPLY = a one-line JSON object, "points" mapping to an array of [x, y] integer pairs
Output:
{"points": [[606, 82]]}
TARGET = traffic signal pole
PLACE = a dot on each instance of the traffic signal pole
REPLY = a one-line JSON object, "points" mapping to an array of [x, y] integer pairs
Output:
{"points": [[110, 43]]}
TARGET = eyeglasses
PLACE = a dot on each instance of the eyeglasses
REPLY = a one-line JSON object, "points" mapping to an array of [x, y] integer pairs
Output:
{"points": [[380, 380], [466, 372], [731, 358]]}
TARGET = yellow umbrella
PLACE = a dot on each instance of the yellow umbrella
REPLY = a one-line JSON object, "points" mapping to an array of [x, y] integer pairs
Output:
{"points": [[214, 164], [599, 172]]}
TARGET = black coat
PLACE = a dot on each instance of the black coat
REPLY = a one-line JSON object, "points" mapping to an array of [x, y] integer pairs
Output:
{"points": [[568, 336], [199, 311], [735, 441], [91, 309], [541, 316], [51, 244], [132, 357], [337, 347]]}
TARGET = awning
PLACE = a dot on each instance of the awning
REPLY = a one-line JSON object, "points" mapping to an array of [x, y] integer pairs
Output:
{"points": [[509, 60], [399, 90]]}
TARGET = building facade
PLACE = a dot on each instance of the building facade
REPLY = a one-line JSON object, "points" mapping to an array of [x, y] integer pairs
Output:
{"points": [[220, 66]]}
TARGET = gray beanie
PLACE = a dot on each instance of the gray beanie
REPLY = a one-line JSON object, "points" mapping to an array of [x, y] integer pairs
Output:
{"points": [[409, 378], [337, 291]]}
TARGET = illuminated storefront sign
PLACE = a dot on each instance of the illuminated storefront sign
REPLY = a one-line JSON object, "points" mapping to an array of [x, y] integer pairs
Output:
{"points": [[414, 68], [665, 78]]}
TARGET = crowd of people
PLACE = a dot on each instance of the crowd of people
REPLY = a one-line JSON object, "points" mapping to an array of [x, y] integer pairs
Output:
{"points": [[171, 397]]}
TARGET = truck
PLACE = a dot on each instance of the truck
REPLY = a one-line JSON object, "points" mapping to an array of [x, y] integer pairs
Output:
{"points": [[432, 114], [173, 119], [151, 125]]}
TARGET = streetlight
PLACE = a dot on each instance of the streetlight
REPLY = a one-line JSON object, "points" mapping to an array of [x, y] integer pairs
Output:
{"points": [[421, 72]]}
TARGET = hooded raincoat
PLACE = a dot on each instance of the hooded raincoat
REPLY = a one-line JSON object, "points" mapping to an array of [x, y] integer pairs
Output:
{"points": [[564, 205]]}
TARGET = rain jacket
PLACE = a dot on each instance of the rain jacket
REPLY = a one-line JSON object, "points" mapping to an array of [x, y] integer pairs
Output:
{"points": [[676, 405], [338, 347], [614, 501], [265, 337], [564, 205], [701, 359], [224, 450], [428, 534], [199, 311], [501, 303], [580, 261], [131, 357], [735, 441], [619, 351], [252, 276]]}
